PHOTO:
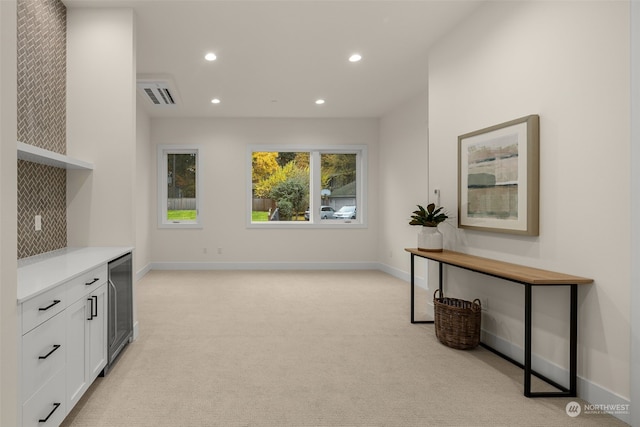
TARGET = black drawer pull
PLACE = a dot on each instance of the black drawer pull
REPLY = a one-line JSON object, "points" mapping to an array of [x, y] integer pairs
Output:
{"points": [[55, 301], [93, 281], [55, 347], [55, 406]]}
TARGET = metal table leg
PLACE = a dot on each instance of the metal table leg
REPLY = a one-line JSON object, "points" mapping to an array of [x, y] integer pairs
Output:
{"points": [[413, 293], [413, 290], [573, 343], [527, 340]]}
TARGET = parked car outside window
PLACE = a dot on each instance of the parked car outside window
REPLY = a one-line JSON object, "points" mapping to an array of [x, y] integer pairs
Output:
{"points": [[345, 212], [326, 212]]}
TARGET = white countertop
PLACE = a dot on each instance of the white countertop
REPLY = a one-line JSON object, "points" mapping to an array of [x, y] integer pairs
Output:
{"points": [[40, 273]]}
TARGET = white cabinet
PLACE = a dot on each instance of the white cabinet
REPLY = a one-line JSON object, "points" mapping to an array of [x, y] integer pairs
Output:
{"points": [[86, 331], [43, 354], [46, 408], [86, 342], [97, 344], [64, 346], [43, 359], [77, 378]]}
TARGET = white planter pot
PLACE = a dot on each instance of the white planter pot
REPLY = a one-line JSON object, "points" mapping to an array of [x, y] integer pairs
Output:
{"points": [[430, 239]]}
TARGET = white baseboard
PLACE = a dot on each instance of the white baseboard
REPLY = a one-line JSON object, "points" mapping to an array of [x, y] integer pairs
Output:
{"points": [[136, 331], [395, 272], [144, 270], [402, 275], [264, 266], [587, 390]]}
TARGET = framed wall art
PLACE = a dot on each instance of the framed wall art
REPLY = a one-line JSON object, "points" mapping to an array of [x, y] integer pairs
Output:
{"points": [[498, 183]]}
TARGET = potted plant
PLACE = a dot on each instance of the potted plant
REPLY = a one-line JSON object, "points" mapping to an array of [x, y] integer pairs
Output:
{"points": [[429, 238]]}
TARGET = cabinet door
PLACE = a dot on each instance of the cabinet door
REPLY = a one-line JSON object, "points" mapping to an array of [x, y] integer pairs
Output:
{"points": [[77, 339], [46, 408], [43, 354], [98, 332]]}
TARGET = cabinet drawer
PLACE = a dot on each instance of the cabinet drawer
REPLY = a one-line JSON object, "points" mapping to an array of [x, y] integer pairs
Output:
{"points": [[43, 354], [86, 283], [47, 404], [43, 307]]}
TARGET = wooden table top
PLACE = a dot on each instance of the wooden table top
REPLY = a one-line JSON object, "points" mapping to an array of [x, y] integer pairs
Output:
{"points": [[520, 273]]}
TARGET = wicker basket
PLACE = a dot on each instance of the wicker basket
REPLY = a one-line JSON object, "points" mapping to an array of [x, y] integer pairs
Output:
{"points": [[457, 322]]}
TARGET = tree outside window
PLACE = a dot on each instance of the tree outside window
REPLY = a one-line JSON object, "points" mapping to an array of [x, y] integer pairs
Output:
{"points": [[178, 194], [285, 186]]}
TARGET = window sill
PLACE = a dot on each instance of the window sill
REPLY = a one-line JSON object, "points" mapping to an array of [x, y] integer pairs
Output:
{"points": [[180, 226], [299, 225]]}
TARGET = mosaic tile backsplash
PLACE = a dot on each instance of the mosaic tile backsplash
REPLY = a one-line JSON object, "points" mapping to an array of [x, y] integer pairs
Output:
{"points": [[42, 58], [41, 191], [42, 65]]}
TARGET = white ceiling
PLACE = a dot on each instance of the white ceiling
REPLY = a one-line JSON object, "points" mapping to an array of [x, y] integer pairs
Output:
{"points": [[276, 57]]}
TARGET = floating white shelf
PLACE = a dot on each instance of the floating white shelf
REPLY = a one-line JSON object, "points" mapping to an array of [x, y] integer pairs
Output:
{"points": [[34, 154]]}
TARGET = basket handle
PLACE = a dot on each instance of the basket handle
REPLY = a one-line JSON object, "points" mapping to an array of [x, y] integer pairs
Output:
{"points": [[477, 304], [436, 291]]}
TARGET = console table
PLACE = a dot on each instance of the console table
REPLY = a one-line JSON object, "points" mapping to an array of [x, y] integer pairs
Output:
{"points": [[528, 277]]}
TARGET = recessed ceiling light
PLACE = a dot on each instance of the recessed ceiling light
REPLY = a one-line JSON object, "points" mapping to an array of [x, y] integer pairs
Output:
{"points": [[210, 56], [355, 57], [215, 101], [319, 101]]}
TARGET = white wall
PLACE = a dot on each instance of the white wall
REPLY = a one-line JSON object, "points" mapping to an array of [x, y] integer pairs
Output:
{"points": [[101, 126], [224, 161], [403, 182], [8, 216], [144, 208], [635, 210], [569, 63]]}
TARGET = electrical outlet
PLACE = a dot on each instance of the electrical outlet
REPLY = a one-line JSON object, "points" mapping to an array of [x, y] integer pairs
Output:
{"points": [[204, 251], [38, 222], [485, 303], [219, 251]]}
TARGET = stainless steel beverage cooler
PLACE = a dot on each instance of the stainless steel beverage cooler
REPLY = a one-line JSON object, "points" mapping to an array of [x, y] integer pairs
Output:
{"points": [[120, 302]]}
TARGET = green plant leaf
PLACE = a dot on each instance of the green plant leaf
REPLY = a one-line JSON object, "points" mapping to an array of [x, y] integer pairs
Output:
{"points": [[429, 217]]}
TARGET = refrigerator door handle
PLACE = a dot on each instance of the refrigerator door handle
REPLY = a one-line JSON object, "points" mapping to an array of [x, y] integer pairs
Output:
{"points": [[113, 311]]}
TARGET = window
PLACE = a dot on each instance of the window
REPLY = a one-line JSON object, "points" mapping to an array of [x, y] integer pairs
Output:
{"points": [[178, 187], [321, 187]]}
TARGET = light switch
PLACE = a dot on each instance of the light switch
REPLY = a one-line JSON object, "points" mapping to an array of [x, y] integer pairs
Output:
{"points": [[38, 222]]}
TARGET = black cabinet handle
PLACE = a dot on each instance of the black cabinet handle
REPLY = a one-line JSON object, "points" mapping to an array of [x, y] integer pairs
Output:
{"points": [[55, 301], [94, 302], [92, 282], [55, 347], [44, 420]]}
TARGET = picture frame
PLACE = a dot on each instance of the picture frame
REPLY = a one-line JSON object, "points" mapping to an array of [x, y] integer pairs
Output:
{"points": [[498, 178]]}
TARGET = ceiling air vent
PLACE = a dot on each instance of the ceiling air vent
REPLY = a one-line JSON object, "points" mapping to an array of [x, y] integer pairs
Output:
{"points": [[158, 92]]}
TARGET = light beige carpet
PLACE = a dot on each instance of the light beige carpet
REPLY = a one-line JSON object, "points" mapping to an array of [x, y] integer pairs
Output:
{"points": [[300, 348]]}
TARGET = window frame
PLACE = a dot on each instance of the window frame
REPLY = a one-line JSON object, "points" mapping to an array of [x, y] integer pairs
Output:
{"points": [[314, 188], [163, 152]]}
